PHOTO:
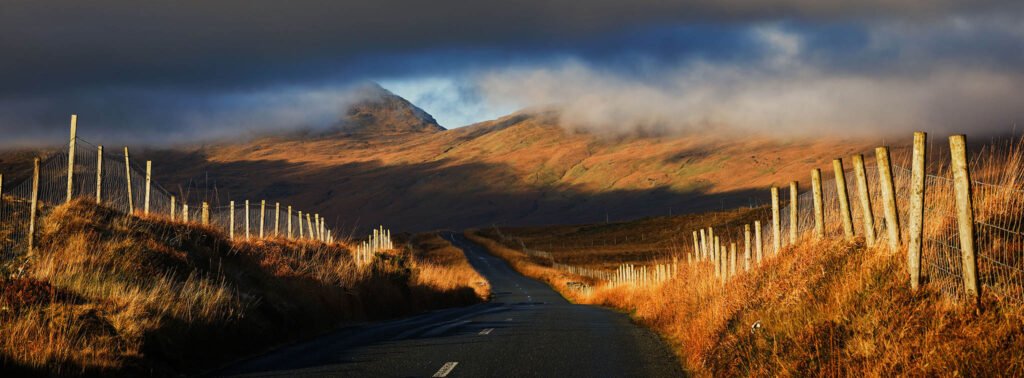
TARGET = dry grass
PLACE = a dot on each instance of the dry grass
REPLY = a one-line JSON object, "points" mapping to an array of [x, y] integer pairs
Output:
{"points": [[108, 294], [442, 268]]}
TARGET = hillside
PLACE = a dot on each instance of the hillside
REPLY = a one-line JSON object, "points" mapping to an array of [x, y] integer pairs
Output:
{"points": [[519, 169]]}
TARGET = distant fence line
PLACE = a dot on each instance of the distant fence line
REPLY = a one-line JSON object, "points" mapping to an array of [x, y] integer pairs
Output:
{"points": [[115, 181]]}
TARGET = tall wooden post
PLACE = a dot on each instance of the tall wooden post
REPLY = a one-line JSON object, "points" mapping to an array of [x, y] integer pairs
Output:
{"points": [[819, 206], [231, 220], [128, 177], [263, 212], [173, 207], [915, 226], [206, 214], [965, 214], [309, 224], [703, 245], [866, 213], [696, 243], [289, 222], [732, 259], [888, 189], [247, 220], [71, 156], [316, 226], [844, 198], [776, 222], [301, 233], [35, 204], [149, 180], [99, 175], [794, 215], [746, 247], [758, 246], [714, 256], [184, 212], [277, 219]]}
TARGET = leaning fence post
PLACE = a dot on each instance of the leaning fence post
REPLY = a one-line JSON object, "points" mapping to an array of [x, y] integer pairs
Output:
{"points": [[35, 204], [99, 175], [757, 240], [794, 198], [819, 206], [263, 211], [247, 220], [128, 177], [206, 214], [277, 218], [746, 247], [71, 156], [149, 172], [231, 220], [289, 222], [844, 198], [965, 214], [915, 226], [865, 200], [776, 222], [888, 189]]}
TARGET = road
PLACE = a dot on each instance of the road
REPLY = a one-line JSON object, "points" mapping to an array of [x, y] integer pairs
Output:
{"points": [[526, 330]]}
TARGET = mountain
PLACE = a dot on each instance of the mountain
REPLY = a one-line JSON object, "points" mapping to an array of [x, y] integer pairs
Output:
{"points": [[517, 170], [381, 112]]}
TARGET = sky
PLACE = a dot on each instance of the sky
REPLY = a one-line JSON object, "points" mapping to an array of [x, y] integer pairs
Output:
{"points": [[179, 72]]}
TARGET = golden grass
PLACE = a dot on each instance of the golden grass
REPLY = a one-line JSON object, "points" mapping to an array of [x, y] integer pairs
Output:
{"points": [[442, 268], [109, 294]]}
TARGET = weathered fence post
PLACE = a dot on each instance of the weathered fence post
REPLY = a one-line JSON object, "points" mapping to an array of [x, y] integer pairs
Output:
{"points": [[794, 198], [309, 224], [289, 222], [301, 232], [277, 219], [703, 245], [206, 214], [149, 180], [71, 156], [231, 220], [844, 198], [915, 226], [888, 189], [128, 177], [715, 256], [965, 214], [263, 211], [758, 246], [184, 212], [99, 175], [696, 245], [315, 229], [732, 259], [723, 254], [247, 220], [819, 206], [35, 204], [746, 247], [776, 222], [866, 213], [172, 207]]}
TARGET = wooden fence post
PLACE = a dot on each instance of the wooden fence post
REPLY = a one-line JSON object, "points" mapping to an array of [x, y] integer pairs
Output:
{"points": [[99, 175], [231, 220], [703, 245], [35, 204], [732, 259], [71, 156], [866, 213], [888, 189], [206, 214], [915, 226], [301, 232], [965, 215], [794, 219], [184, 212], [309, 224], [247, 220], [758, 246], [128, 177], [723, 259], [819, 206], [289, 222], [173, 207], [715, 256], [277, 219], [315, 231], [776, 222], [149, 180], [844, 198], [746, 247], [263, 211], [696, 244]]}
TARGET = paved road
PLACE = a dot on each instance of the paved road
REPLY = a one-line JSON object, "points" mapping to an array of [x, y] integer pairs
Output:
{"points": [[526, 330]]}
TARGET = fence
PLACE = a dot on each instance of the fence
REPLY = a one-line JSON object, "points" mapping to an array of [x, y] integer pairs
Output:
{"points": [[114, 180]]}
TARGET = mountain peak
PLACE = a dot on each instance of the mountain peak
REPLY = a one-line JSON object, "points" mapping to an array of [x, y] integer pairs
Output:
{"points": [[381, 111]]}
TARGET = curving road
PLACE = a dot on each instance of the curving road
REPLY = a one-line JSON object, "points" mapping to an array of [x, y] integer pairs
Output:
{"points": [[526, 330]]}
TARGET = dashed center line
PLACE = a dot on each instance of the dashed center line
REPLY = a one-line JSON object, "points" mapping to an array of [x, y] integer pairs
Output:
{"points": [[445, 369], [486, 331]]}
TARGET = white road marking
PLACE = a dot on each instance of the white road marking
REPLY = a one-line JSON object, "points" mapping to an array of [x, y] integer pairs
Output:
{"points": [[486, 331], [445, 369]]}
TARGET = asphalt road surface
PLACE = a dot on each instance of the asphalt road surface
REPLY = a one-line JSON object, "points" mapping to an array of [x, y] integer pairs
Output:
{"points": [[526, 330]]}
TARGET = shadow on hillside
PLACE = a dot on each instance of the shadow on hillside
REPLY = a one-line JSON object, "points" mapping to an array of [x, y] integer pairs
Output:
{"points": [[423, 196]]}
